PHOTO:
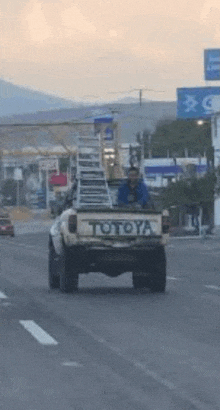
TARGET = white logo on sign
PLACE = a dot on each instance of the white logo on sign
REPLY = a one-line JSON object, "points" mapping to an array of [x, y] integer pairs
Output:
{"points": [[190, 103], [207, 103]]}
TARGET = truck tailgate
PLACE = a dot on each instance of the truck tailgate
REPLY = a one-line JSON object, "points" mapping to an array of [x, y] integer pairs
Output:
{"points": [[118, 224]]}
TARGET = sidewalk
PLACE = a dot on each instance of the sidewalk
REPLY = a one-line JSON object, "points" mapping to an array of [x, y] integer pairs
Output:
{"points": [[31, 220]]}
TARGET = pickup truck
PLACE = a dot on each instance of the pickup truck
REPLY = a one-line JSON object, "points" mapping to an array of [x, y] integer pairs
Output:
{"points": [[110, 241]]}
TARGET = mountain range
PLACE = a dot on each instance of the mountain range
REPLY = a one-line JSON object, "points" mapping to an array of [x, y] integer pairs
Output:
{"points": [[20, 100], [22, 105]]}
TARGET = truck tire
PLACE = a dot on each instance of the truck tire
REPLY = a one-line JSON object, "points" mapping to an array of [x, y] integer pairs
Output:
{"points": [[158, 279], [68, 278], [53, 277], [140, 281]]}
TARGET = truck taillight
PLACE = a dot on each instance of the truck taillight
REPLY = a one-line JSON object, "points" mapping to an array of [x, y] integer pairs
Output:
{"points": [[165, 224], [72, 223]]}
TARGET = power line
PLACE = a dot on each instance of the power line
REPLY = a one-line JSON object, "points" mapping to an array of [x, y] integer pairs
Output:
{"points": [[137, 89]]}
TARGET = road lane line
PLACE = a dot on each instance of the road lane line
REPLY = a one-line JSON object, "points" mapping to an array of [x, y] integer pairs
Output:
{"points": [[212, 287], [172, 278], [3, 296], [38, 333], [178, 391], [72, 364]]}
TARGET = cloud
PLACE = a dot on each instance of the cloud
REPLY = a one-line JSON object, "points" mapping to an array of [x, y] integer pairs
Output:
{"points": [[208, 7], [113, 33], [38, 27], [73, 20], [49, 42]]}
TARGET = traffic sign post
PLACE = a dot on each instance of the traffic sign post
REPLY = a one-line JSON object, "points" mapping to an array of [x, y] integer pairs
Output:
{"points": [[48, 164], [204, 102], [215, 128], [18, 177]]}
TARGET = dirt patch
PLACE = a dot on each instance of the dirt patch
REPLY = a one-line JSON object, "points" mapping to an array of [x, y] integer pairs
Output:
{"points": [[46, 215], [20, 214]]}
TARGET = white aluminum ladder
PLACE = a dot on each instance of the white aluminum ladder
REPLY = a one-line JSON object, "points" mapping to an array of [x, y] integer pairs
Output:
{"points": [[92, 188]]}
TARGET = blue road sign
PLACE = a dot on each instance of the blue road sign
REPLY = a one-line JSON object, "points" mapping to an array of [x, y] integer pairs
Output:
{"points": [[196, 102], [212, 64], [104, 119], [109, 134]]}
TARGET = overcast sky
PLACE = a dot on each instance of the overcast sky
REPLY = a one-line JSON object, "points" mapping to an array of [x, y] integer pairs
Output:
{"points": [[97, 47]]}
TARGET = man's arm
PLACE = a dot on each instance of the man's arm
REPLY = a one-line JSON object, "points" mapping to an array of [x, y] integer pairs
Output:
{"points": [[146, 200], [122, 196]]}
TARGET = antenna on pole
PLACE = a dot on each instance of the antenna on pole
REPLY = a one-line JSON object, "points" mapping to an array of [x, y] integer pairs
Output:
{"points": [[137, 89]]}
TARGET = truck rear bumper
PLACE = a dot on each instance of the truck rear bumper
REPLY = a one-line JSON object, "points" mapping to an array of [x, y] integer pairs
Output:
{"points": [[113, 261]]}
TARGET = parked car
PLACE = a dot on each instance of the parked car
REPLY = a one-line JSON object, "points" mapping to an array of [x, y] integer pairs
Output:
{"points": [[6, 226]]}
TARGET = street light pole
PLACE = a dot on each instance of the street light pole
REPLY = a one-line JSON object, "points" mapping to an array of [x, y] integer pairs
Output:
{"points": [[215, 131]]}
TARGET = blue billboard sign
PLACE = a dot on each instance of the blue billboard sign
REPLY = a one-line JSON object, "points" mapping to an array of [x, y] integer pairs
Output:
{"points": [[212, 64], [104, 119], [196, 102]]}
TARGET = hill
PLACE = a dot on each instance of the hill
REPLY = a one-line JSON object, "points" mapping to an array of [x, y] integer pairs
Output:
{"points": [[19, 100], [132, 117]]}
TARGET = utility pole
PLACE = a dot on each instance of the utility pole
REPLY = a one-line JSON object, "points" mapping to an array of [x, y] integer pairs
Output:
{"points": [[140, 96], [140, 92]]}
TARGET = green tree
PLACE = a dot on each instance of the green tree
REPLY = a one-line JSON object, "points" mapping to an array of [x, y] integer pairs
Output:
{"points": [[190, 191], [178, 136]]}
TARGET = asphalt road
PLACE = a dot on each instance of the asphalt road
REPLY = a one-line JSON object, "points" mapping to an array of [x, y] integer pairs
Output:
{"points": [[109, 347]]}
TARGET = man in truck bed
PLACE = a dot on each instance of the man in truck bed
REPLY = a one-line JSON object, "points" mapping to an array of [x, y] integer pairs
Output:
{"points": [[133, 192]]}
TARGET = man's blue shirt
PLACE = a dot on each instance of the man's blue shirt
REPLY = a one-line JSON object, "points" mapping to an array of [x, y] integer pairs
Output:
{"points": [[140, 192]]}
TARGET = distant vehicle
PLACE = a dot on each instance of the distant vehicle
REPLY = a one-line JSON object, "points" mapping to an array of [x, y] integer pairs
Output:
{"points": [[6, 226], [8, 200], [4, 213]]}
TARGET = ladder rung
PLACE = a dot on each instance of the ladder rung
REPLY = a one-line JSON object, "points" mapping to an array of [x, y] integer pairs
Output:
{"points": [[95, 145], [93, 172], [89, 202], [90, 164], [84, 149], [88, 156], [88, 137], [94, 206], [89, 172], [95, 177], [92, 182], [92, 191], [92, 169], [94, 196]]}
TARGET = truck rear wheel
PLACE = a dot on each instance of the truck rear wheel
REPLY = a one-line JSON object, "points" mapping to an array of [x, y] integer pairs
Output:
{"points": [[154, 276], [68, 278], [140, 281], [158, 279], [53, 277]]}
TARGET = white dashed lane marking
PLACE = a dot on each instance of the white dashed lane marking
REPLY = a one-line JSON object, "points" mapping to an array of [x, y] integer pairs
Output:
{"points": [[212, 287], [38, 333], [72, 364], [3, 296]]}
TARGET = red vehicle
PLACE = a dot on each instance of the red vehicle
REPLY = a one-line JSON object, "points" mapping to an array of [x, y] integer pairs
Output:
{"points": [[6, 227]]}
